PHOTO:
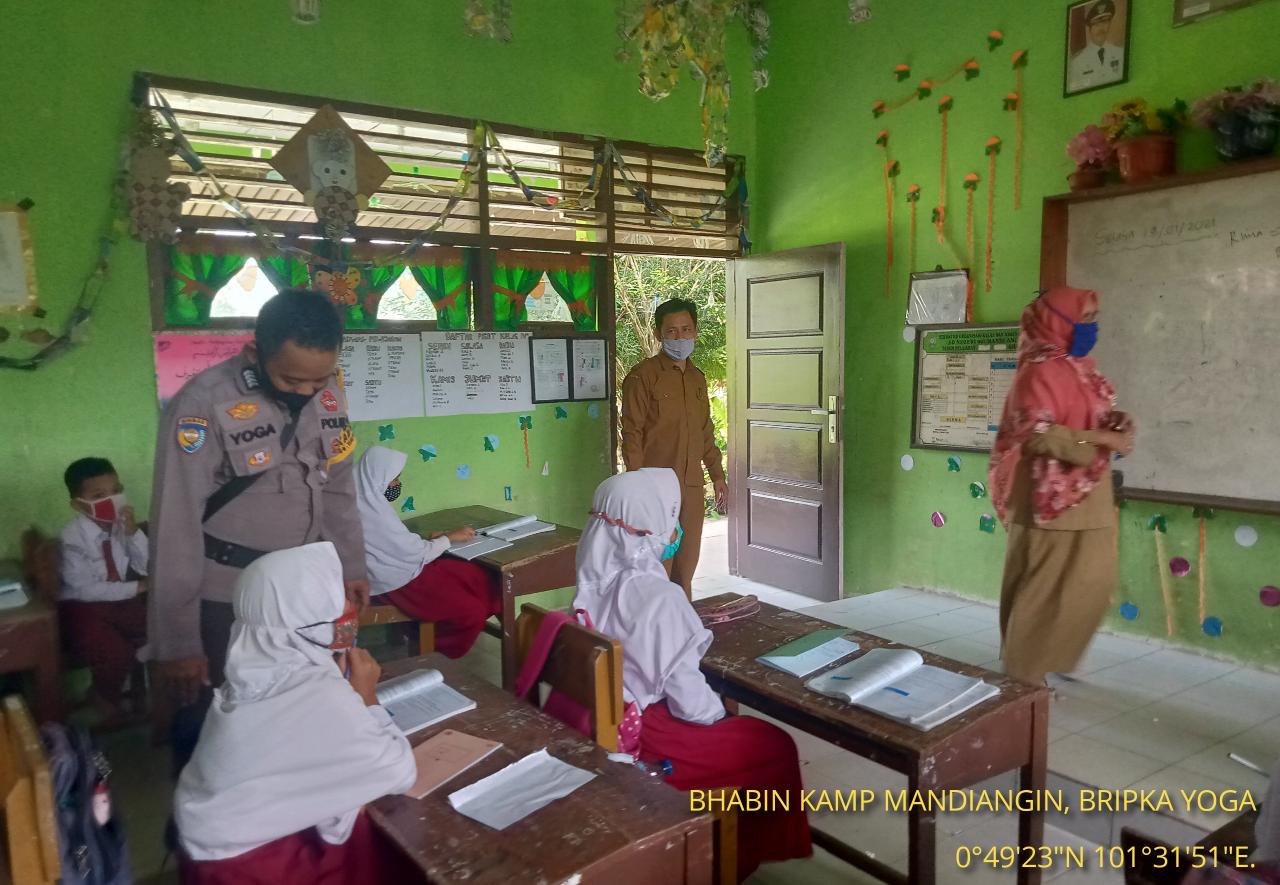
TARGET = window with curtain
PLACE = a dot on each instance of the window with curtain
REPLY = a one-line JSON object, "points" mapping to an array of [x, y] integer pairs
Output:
{"points": [[540, 287]]}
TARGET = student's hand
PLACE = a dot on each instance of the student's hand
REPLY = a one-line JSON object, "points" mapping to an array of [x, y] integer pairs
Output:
{"points": [[364, 675], [184, 678], [128, 521], [358, 593], [722, 495], [143, 586], [462, 535]]}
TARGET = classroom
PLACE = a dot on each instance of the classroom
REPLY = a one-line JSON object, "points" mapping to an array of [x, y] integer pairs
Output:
{"points": [[908, 362]]}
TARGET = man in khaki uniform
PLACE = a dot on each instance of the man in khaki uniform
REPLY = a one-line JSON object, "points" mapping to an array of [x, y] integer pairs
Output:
{"points": [[666, 422], [254, 455]]}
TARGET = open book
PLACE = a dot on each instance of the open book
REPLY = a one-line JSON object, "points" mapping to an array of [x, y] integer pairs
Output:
{"points": [[811, 653], [445, 756], [419, 699], [491, 539], [895, 682]]}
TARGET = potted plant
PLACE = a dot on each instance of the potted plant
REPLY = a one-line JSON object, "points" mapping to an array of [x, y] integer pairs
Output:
{"points": [[1093, 155], [1143, 136], [1245, 122]]}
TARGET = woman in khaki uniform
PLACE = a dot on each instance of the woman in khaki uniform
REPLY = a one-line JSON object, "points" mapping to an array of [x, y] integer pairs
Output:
{"points": [[1051, 485]]}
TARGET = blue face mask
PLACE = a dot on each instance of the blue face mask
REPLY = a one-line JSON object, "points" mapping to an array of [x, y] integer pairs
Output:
{"points": [[1083, 338], [669, 551]]}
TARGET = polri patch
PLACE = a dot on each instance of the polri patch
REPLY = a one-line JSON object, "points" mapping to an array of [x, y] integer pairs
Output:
{"points": [[192, 432], [329, 401], [243, 411]]}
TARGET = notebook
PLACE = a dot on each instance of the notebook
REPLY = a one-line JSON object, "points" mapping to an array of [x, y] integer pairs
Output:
{"points": [[519, 790], [895, 682], [481, 546], [518, 529], [419, 699], [811, 653], [445, 756]]}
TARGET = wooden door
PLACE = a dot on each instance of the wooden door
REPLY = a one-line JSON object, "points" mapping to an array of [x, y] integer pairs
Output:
{"points": [[786, 386]]}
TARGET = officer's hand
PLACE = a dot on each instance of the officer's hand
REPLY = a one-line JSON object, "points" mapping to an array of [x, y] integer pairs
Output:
{"points": [[364, 675], [128, 521], [358, 593], [185, 678]]}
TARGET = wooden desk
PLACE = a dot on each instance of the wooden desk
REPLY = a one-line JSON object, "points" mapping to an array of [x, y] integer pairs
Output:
{"points": [[29, 641], [623, 827], [1004, 733], [533, 565]]}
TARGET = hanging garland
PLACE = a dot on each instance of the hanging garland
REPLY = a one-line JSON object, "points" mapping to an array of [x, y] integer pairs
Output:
{"points": [[993, 150], [970, 68], [940, 214], [913, 197], [970, 188], [1014, 102], [891, 170]]}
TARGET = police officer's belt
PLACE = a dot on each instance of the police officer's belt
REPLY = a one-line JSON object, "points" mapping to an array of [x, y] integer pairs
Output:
{"points": [[226, 553]]}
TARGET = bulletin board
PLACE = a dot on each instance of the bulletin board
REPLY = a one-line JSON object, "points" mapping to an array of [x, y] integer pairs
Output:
{"points": [[962, 376]]}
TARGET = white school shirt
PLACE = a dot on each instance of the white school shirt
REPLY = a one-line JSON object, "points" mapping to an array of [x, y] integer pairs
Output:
{"points": [[84, 568]]}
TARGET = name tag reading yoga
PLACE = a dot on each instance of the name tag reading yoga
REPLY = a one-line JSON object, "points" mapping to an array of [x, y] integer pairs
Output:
{"points": [[963, 374]]}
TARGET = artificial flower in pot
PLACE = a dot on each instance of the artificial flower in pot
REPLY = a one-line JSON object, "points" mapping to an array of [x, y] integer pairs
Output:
{"points": [[1143, 137], [1245, 122], [1093, 155]]}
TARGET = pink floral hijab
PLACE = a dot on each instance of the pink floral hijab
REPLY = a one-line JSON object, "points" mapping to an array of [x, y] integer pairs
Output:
{"points": [[1051, 387]]}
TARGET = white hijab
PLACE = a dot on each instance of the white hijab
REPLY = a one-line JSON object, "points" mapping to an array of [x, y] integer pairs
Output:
{"points": [[393, 555], [287, 744], [625, 589]]}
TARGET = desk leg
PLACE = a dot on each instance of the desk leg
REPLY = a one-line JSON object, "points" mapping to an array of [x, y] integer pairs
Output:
{"points": [[508, 631], [922, 849], [1031, 823]]}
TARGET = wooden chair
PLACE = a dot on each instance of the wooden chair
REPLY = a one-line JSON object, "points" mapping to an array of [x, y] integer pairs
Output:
{"points": [[587, 667], [421, 641], [26, 788]]}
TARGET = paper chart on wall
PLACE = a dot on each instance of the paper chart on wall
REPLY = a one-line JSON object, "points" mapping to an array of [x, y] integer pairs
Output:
{"points": [[550, 357], [179, 357], [382, 375], [476, 373], [590, 376]]}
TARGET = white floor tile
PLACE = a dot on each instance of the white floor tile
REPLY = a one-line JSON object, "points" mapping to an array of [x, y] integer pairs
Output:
{"points": [[1166, 738], [1073, 714], [1162, 673], [964, 649], [1233, 699], [1094, 762], [910, 633], [952, 623]]}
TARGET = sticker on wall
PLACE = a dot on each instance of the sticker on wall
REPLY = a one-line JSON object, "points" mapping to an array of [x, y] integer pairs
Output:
{"points": [[1269, 596], [1158, 523], [909, 334], [463, 471], [1212, 626], [386, 432], [953, 464], [907, 462], [1179, 567], [987, 523], [427, 452], [978, 489], [491, 443], [407, 506], [1246, 536], [938, 519], [1129, 611], [593, 410], [506, 493], [546, 468], [561, 413]]}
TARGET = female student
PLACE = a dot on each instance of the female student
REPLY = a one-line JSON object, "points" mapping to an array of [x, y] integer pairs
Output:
{"points": [[409, 571], [292, 749], [624, 589], [1051, 485]]}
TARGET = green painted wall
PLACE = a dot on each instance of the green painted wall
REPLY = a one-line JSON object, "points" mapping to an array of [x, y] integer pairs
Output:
{"points": [[63, 117], [819, 174]]}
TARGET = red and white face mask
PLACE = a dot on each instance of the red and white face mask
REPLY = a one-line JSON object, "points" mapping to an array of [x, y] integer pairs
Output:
{"points": [[105, 510], [345, 628]]}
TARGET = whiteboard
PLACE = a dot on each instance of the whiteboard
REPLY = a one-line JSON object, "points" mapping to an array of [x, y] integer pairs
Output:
{"points": [[1188, 279]]}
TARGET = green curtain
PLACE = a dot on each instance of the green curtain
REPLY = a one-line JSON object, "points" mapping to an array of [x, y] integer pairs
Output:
{"points": [[511, 284], [448, 285], [578, 289], [194, 280], [354, 291], [286, 272]]}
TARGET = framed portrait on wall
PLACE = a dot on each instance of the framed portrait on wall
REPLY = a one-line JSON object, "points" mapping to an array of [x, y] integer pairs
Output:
{"points": [[1187, 11], [1097, 53]]}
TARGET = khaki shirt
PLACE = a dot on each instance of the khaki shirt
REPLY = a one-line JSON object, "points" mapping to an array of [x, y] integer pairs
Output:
{"points": [[223, 425], [666, 420], [1096, 511]]}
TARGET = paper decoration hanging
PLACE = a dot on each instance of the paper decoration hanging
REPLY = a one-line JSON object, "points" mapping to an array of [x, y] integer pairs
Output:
{"points": [[1019, 65], [902, 72], [993, 151], [953, 464], [940, 213], [155, 205], [987, 523], [938, 519], [386, 432], [526, 424], [969, 68], [427, 452], [491, 443], [1158, 523], [1212, 626], [995, 40], [333, 167], [407, 506], [1129, 611], [1166, 589], [1180, 568], [891, 170], [978, 489], [561, 413]]}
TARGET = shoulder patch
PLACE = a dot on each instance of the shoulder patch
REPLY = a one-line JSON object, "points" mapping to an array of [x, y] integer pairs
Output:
{"points": [[250, 376], [342, 446], [191, 433], [328, 401], [243, 411], [258, 459]]}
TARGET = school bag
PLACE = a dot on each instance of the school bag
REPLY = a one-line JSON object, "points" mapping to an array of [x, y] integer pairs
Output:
{"points": [[90, 839]]}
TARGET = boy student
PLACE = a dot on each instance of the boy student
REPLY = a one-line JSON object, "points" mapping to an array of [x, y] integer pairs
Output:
{"points": [[103, 573], [666, 422], [253, 456]]}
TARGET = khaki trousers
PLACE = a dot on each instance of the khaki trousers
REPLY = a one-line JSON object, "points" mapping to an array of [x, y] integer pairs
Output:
{"points": [[692, 515]]}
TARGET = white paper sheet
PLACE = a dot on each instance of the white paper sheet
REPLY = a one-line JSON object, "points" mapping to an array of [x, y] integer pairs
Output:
{"points": [[550, 369], [476, 373], [382, 375], [420, 699], [859, 677], [590, 378], [519, 790]]}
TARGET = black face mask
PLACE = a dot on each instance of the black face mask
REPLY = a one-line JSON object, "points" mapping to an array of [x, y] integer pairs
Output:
{"points": [[294, 402], [391, 492]]}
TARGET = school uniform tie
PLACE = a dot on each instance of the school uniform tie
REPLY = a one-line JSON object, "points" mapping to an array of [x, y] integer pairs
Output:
{"points": [[1101, 53], [113, 573]]}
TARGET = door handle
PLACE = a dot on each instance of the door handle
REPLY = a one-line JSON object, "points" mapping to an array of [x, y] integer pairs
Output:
{"points": [[832, 412]]}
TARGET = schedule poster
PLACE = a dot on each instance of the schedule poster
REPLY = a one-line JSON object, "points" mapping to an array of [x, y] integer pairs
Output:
{"points": [[476, 373], [590, 375], [382, 375], [963, 374]]}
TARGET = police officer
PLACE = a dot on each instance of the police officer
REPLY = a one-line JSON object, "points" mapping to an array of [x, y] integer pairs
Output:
{"points": [[254, 455], [1100, 62]]}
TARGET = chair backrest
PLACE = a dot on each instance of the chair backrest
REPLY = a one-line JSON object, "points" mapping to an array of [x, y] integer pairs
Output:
{"points": [[40, 564], [26, 789], [584, 665]]}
